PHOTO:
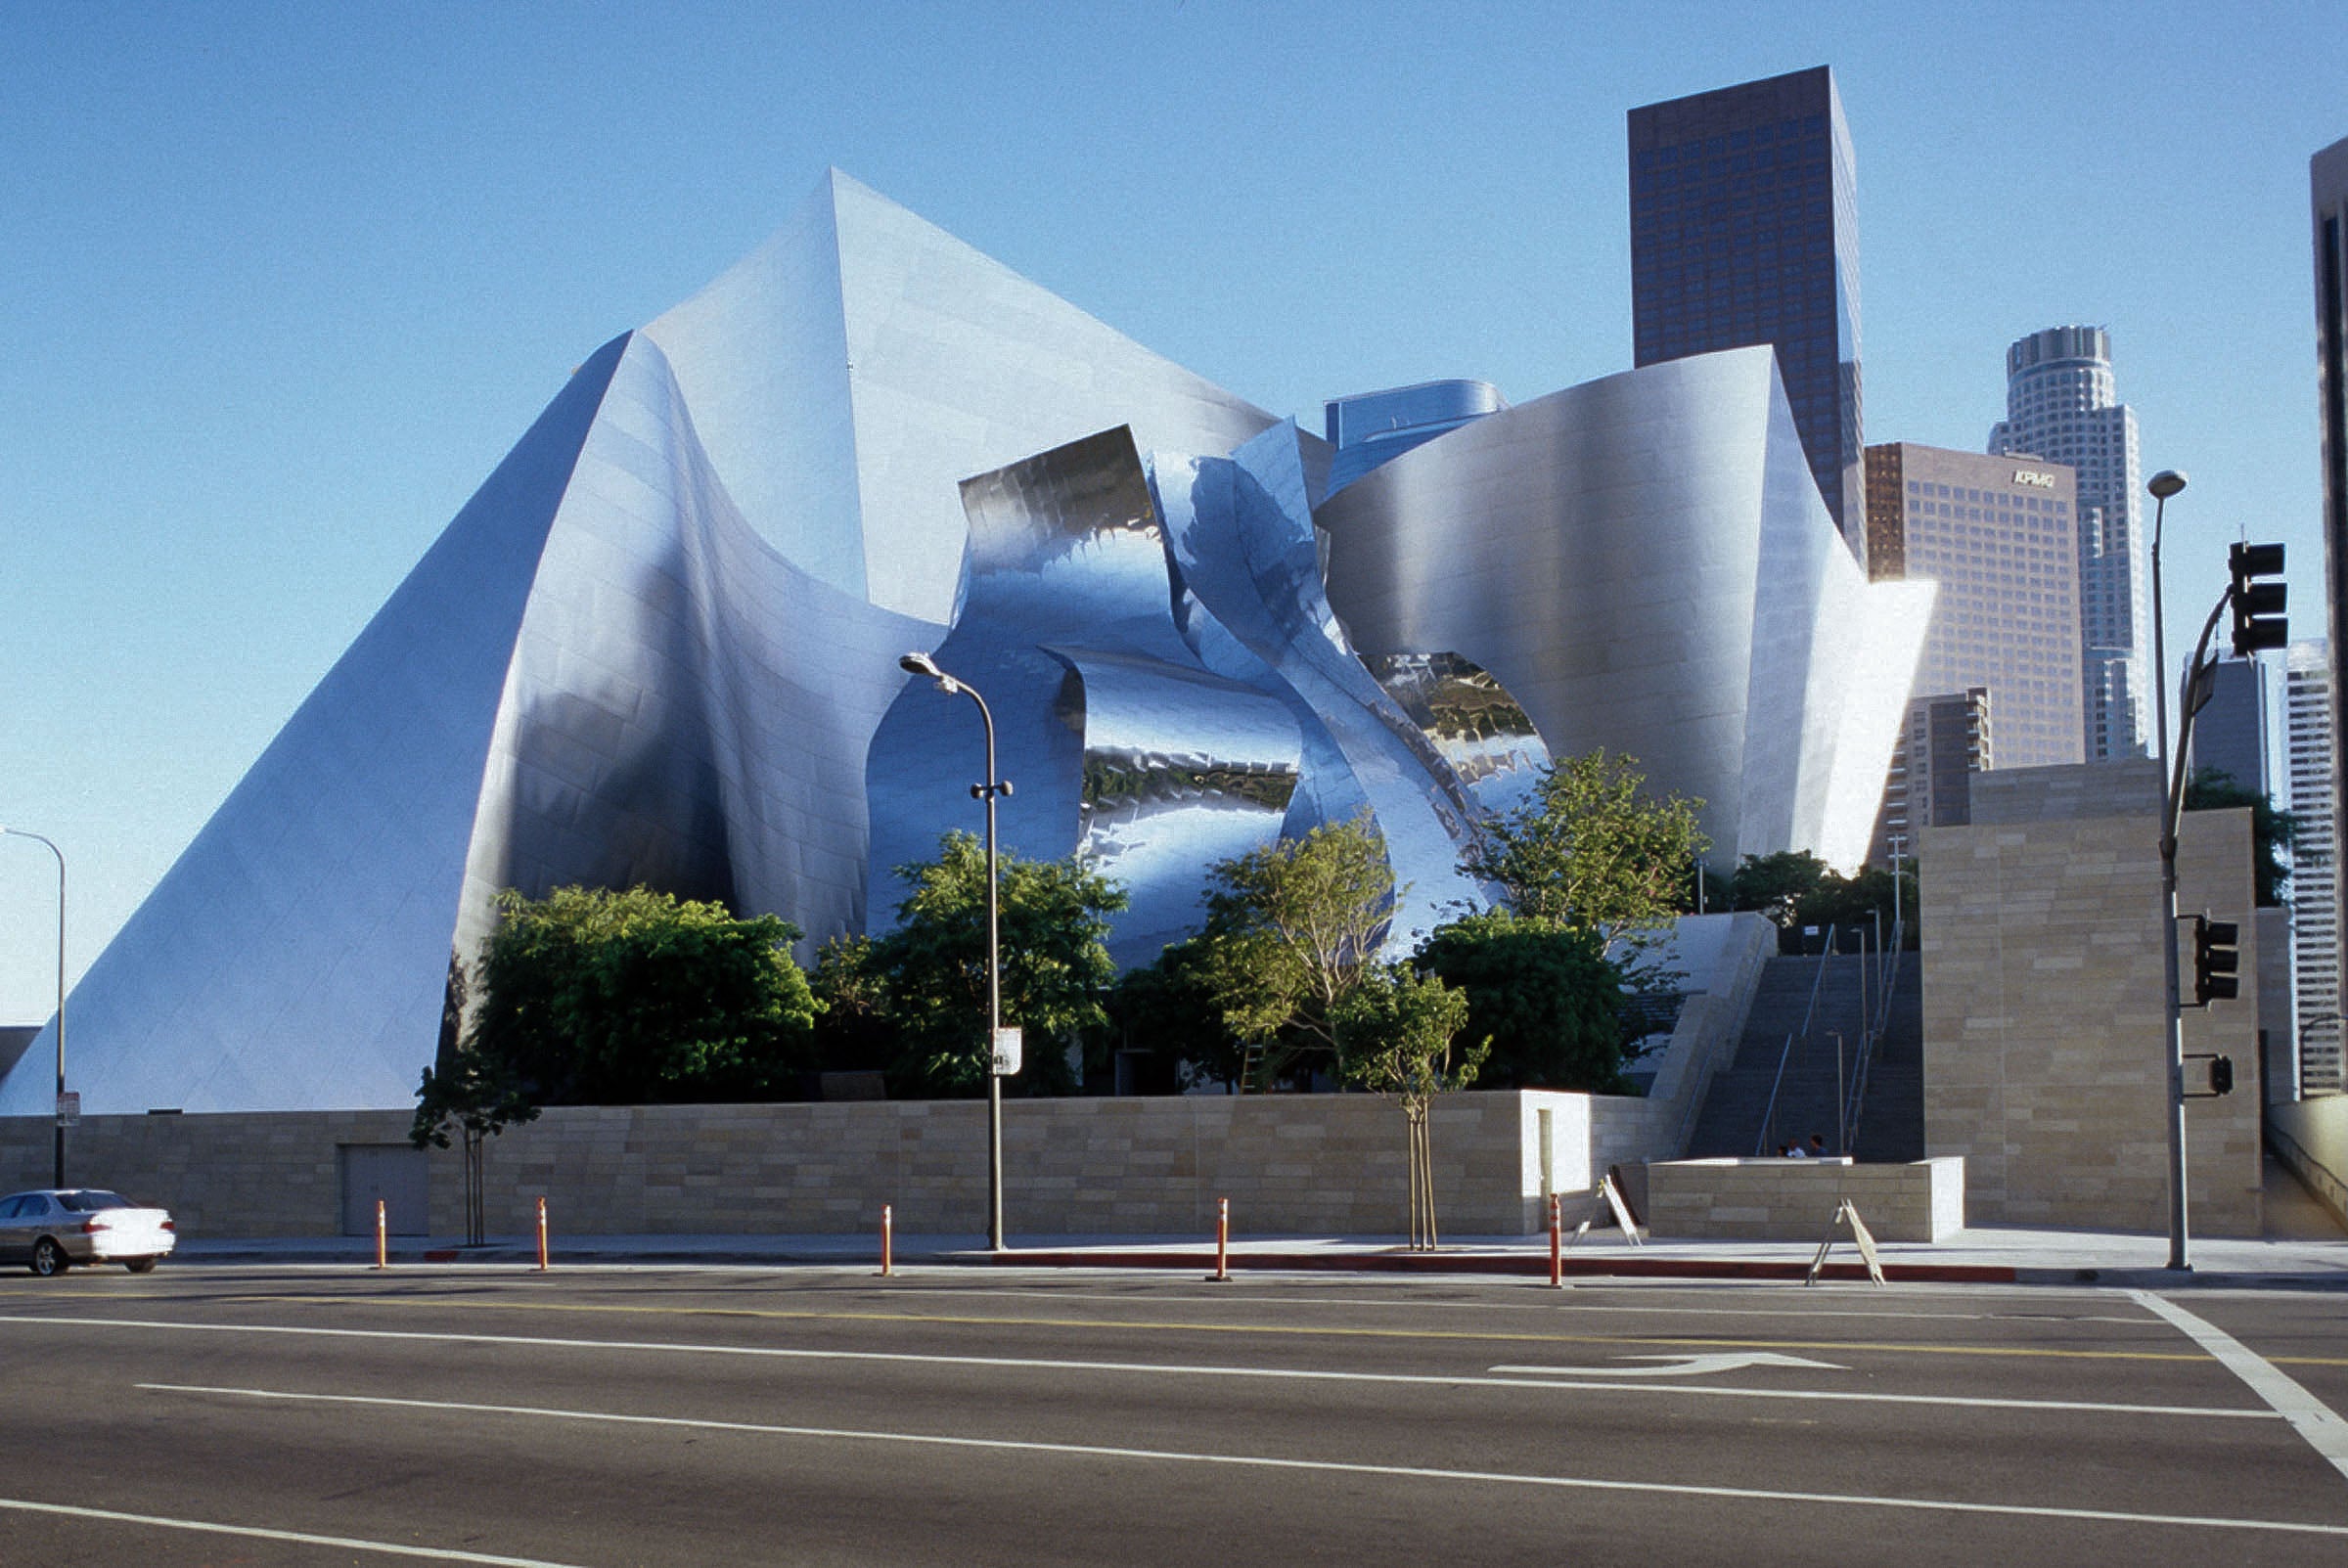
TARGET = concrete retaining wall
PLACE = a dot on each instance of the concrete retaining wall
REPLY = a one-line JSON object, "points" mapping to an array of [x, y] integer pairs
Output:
{"points": [[1795, 1200], [2311, 1137], [1314, 1164]]}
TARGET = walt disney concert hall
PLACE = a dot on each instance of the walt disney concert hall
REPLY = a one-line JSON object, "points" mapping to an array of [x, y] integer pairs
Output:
{"points": [[660, 645]]}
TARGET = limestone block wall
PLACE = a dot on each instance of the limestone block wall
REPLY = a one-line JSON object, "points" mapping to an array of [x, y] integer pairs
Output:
{"points": [[256, 1174], [1796, 1201], [2045, 1056], [1320, 1164]]}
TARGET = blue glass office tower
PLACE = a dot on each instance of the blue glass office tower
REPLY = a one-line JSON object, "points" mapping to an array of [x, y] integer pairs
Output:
{"points": [[1744, 229]]}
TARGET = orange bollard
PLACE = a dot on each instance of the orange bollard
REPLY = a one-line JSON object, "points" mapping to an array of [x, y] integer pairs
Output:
{"points": [[1557, 1241], [382, 1237], [1222, 1274], [542, 1235], [888, 1225]]}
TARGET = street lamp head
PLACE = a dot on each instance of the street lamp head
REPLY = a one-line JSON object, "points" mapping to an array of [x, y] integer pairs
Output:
{"points": [[2166, 483], [924, 664]]}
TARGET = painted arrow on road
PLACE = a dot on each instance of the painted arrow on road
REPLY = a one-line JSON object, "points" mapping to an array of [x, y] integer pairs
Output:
{"points": [[1680, 1366]]}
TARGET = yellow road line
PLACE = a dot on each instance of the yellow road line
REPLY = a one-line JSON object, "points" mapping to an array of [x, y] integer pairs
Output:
{"points": [[1289, 1330], [1286, 1330]]}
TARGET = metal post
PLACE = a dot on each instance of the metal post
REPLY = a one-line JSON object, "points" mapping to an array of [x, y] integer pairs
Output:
{"points": [[1556, 1241], [1897, 844], [2163, 485], [994, 996], [1882, 968], [1843, 1104], [19, 833], [922, 664]]}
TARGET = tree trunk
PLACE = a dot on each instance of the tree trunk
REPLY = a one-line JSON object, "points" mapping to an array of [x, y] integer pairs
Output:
{"points": [[474, 1227]]}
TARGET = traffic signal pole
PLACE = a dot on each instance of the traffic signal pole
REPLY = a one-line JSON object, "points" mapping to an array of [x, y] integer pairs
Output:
{"points": [[2258, 622]]}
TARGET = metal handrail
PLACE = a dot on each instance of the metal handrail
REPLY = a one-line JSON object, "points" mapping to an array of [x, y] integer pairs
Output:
{"points": [[1873, 1036], [1768, 1112], [1809, 1016]]}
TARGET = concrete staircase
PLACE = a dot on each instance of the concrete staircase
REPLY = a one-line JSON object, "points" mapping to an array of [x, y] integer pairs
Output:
{"points": [[1891, 1124]]}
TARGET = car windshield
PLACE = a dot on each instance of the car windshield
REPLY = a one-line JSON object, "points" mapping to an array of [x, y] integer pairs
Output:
{"points": [[92, 1203]]}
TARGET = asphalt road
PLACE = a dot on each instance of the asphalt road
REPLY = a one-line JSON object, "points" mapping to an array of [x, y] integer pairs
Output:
{"points": [[607, 1418]]}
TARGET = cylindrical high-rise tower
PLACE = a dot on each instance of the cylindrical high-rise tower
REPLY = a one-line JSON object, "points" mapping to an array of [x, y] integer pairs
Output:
{"points": [[2060, 406]]}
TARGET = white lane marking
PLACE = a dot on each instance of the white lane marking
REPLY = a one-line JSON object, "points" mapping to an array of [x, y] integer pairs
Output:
{"points": [[1637, 1308], [1156, 1369], [258, 1532], [2310, 1416], [1679, 1365], [1260, 1462]]}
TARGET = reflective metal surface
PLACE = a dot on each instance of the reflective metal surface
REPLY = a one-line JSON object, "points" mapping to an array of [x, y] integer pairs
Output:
{"points": [[660, 645], [1483, 733], [1645, 564], [1123, 744], [849, 374]]}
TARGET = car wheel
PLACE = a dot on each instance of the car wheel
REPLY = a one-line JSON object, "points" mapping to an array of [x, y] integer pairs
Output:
{"points": [[48, 1258], [139, 1265]]}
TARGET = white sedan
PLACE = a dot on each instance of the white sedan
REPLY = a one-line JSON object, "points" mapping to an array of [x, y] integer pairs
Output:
{"points": [[50, 1230]]}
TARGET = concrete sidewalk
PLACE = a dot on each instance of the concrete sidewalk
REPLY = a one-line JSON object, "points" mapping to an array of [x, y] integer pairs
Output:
{"points": [[1999, 1255]]}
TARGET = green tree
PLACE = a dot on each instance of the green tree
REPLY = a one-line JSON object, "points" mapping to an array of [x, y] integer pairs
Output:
{"points": [[927, 977], [1593, 851], [1777, 885], [1292, 928], [1396, 1027], [589, 997], [1796, 889], [1544, 997], [2273, 833], [853, 1030], [480, 1096], [1171, 1008]]}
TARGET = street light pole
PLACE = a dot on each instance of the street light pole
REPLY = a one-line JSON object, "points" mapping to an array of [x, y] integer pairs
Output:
{"points": [[19, 833], [2164, 485], [922, 664]]}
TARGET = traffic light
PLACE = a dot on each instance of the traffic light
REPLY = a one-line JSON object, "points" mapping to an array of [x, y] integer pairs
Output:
{"points": [[2257, 599], [2221, 1075], [2217, 960]]}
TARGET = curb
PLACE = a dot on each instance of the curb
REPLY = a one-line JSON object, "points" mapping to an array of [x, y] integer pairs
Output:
{"points": [[1529, 1265], [1487, 1263]]}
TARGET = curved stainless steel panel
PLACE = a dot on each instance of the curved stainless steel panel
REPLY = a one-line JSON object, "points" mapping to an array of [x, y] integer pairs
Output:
{"points": [[1120, 743], [1644, 561]]}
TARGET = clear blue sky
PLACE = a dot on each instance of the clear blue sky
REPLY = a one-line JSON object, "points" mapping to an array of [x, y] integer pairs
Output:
{"points": [[281, 283]]}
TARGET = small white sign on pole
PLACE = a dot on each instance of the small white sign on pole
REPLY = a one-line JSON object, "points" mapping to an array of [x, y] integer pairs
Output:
{"points": [[68, 1108], [1007, 1052]]}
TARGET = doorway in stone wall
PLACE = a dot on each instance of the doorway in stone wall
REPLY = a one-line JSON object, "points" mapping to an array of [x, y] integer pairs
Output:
{"points": [[392, 1173]]}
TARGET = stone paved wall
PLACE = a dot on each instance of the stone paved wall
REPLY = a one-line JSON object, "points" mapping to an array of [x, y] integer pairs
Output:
{"points": [[1321, 1164], [2045, 1061], [253, 1174], [1796, 1201]]}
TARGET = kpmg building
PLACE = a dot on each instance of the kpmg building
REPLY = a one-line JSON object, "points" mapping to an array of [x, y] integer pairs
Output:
{"points": [[1744, 229], [660, 645], [2000, 538]]}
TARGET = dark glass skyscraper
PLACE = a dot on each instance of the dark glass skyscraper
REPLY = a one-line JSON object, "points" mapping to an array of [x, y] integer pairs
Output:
{"points": [[1744, 229]]}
